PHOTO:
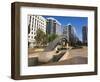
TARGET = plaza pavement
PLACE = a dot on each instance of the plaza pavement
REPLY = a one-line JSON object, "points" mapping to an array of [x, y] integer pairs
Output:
{"points": [[71, 56]]}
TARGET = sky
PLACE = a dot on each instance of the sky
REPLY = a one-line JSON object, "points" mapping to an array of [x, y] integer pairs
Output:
{"points": [[77, 22]]}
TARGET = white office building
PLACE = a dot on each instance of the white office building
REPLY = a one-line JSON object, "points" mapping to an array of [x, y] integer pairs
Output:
{"points": [[35, 22]]}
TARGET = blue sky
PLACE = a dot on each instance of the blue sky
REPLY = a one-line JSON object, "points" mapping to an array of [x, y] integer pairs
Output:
{"points": [[77, 22]]}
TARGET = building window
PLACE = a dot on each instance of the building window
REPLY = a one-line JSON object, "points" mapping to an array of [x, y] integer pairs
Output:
{"points": [[31, 36], [32, 20], [38, 17], [32, 32], [37, 24]]}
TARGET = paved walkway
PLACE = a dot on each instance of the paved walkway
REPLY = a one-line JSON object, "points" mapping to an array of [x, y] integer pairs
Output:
{"points": [[82, 52], [44, 56], [74, 56], [71, 56]]}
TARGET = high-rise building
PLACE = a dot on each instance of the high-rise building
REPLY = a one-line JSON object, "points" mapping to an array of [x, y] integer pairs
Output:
{"points": [[84, 34], [35, 22], [53, 26], [70, 32]]}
